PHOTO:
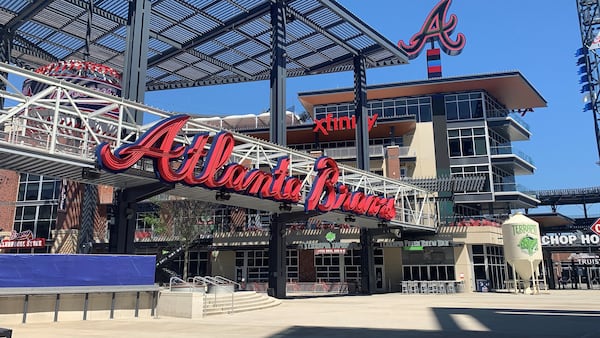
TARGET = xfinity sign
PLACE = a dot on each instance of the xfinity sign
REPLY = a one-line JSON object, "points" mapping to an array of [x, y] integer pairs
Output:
{"points": [[330, 123]]}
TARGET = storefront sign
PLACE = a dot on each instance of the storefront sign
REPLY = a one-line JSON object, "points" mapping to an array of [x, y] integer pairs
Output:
{"points": [[331, 251], [437, 29], [323, 245], [158, 143], [584, 259], [571, 239], [329, 123], [416, 243], [22, 240]]}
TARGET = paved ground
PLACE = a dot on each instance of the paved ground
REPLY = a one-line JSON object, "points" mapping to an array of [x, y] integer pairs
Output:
{"points": [[562, 313]]}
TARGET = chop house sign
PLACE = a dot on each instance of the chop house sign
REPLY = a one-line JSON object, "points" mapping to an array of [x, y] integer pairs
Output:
{"points": [[215, 172]]}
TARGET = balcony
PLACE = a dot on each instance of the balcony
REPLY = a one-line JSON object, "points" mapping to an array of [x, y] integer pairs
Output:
{"points": [[510, 125], [406, 153], [350, 152], [517, 195], [512, 160]]}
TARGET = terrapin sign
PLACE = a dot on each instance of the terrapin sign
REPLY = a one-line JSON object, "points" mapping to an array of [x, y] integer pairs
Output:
{"points": [[194, 165]]}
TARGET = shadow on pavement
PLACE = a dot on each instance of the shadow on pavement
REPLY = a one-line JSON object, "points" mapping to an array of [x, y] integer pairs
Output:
{"points": [[477, 323]]}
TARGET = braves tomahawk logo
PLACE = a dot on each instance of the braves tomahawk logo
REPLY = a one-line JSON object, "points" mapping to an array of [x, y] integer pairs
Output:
{"points": [[437, 29]]}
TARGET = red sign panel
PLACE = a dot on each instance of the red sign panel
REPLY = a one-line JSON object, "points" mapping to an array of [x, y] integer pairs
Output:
{"points": [[596, 227], [195, 165], [22, 240], [435, 28]]}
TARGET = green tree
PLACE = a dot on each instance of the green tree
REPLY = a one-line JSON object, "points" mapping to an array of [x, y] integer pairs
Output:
{"points": [[154, 221], [189, 219]]}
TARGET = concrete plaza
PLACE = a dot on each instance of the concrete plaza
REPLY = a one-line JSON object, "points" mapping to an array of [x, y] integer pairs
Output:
{"points": [[559, 313]]}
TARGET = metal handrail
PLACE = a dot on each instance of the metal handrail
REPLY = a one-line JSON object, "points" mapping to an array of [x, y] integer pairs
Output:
{"points": [[178, 281], [226, 280]]}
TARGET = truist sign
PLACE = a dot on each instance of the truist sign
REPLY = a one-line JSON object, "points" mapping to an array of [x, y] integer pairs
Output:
{"points": [[195, 165], [435, 28]]}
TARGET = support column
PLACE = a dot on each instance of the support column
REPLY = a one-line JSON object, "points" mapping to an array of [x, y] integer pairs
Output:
{"points": [[361, 113], [122, 231], [367, 262], [278, 74], [442, 158], [277, 261], [550, 276], [89, 204], [277, 134], [136, 60], [5, 48]]}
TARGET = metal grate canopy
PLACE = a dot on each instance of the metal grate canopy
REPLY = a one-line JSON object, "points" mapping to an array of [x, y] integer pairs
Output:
{"points": [[195, 42]]}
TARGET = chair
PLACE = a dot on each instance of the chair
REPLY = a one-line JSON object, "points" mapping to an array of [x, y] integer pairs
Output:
{"points": [[450, 287], [404, 287], [413, 287], [424, 287], [441, 287], [433, 287]]}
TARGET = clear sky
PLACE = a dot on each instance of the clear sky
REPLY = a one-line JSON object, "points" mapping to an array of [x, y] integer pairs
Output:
{"points": [[536, 37]]}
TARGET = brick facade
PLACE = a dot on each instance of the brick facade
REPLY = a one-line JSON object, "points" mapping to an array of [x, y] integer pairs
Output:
{"points": [[9, 187]]}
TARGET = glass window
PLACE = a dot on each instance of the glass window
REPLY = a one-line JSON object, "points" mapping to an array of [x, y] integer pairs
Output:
{"points": [[477, 109], [467, 147], [29, 213], [31, 193], [413, 110], [48, 190], [454, 145], [480, 147], [425, 115], [451, 111], [464, 110], [401, 111]]}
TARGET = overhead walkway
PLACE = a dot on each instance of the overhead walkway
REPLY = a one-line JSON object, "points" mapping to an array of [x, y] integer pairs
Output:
{"points": [[56, 133]]}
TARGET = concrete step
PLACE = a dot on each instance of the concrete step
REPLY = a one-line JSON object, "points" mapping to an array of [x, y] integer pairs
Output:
{"points": [[248, 301]]}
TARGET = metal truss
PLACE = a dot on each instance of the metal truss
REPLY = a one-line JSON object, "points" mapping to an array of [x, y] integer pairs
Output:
{"points": [[64, 123], [588, 58]]}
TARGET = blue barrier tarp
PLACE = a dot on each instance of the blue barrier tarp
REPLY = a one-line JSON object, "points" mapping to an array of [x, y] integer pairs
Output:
{"points": [[40, 270]]}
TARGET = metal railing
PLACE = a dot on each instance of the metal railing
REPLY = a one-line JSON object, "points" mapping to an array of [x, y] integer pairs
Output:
{"points": [[350, 152], [505, 113], [510, 150], [176, 283]]}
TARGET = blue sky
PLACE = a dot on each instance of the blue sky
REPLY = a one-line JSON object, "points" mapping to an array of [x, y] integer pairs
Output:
{"points": [[536, 37]]}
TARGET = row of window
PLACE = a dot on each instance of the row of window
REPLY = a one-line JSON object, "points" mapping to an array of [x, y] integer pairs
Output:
{"points": [[388, 141], [467, 142], [35, 187], [419, 107], [39, 219], [466, 106]]}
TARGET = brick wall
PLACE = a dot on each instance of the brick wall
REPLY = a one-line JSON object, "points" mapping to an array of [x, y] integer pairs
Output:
{"points": [[9, 187]]}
